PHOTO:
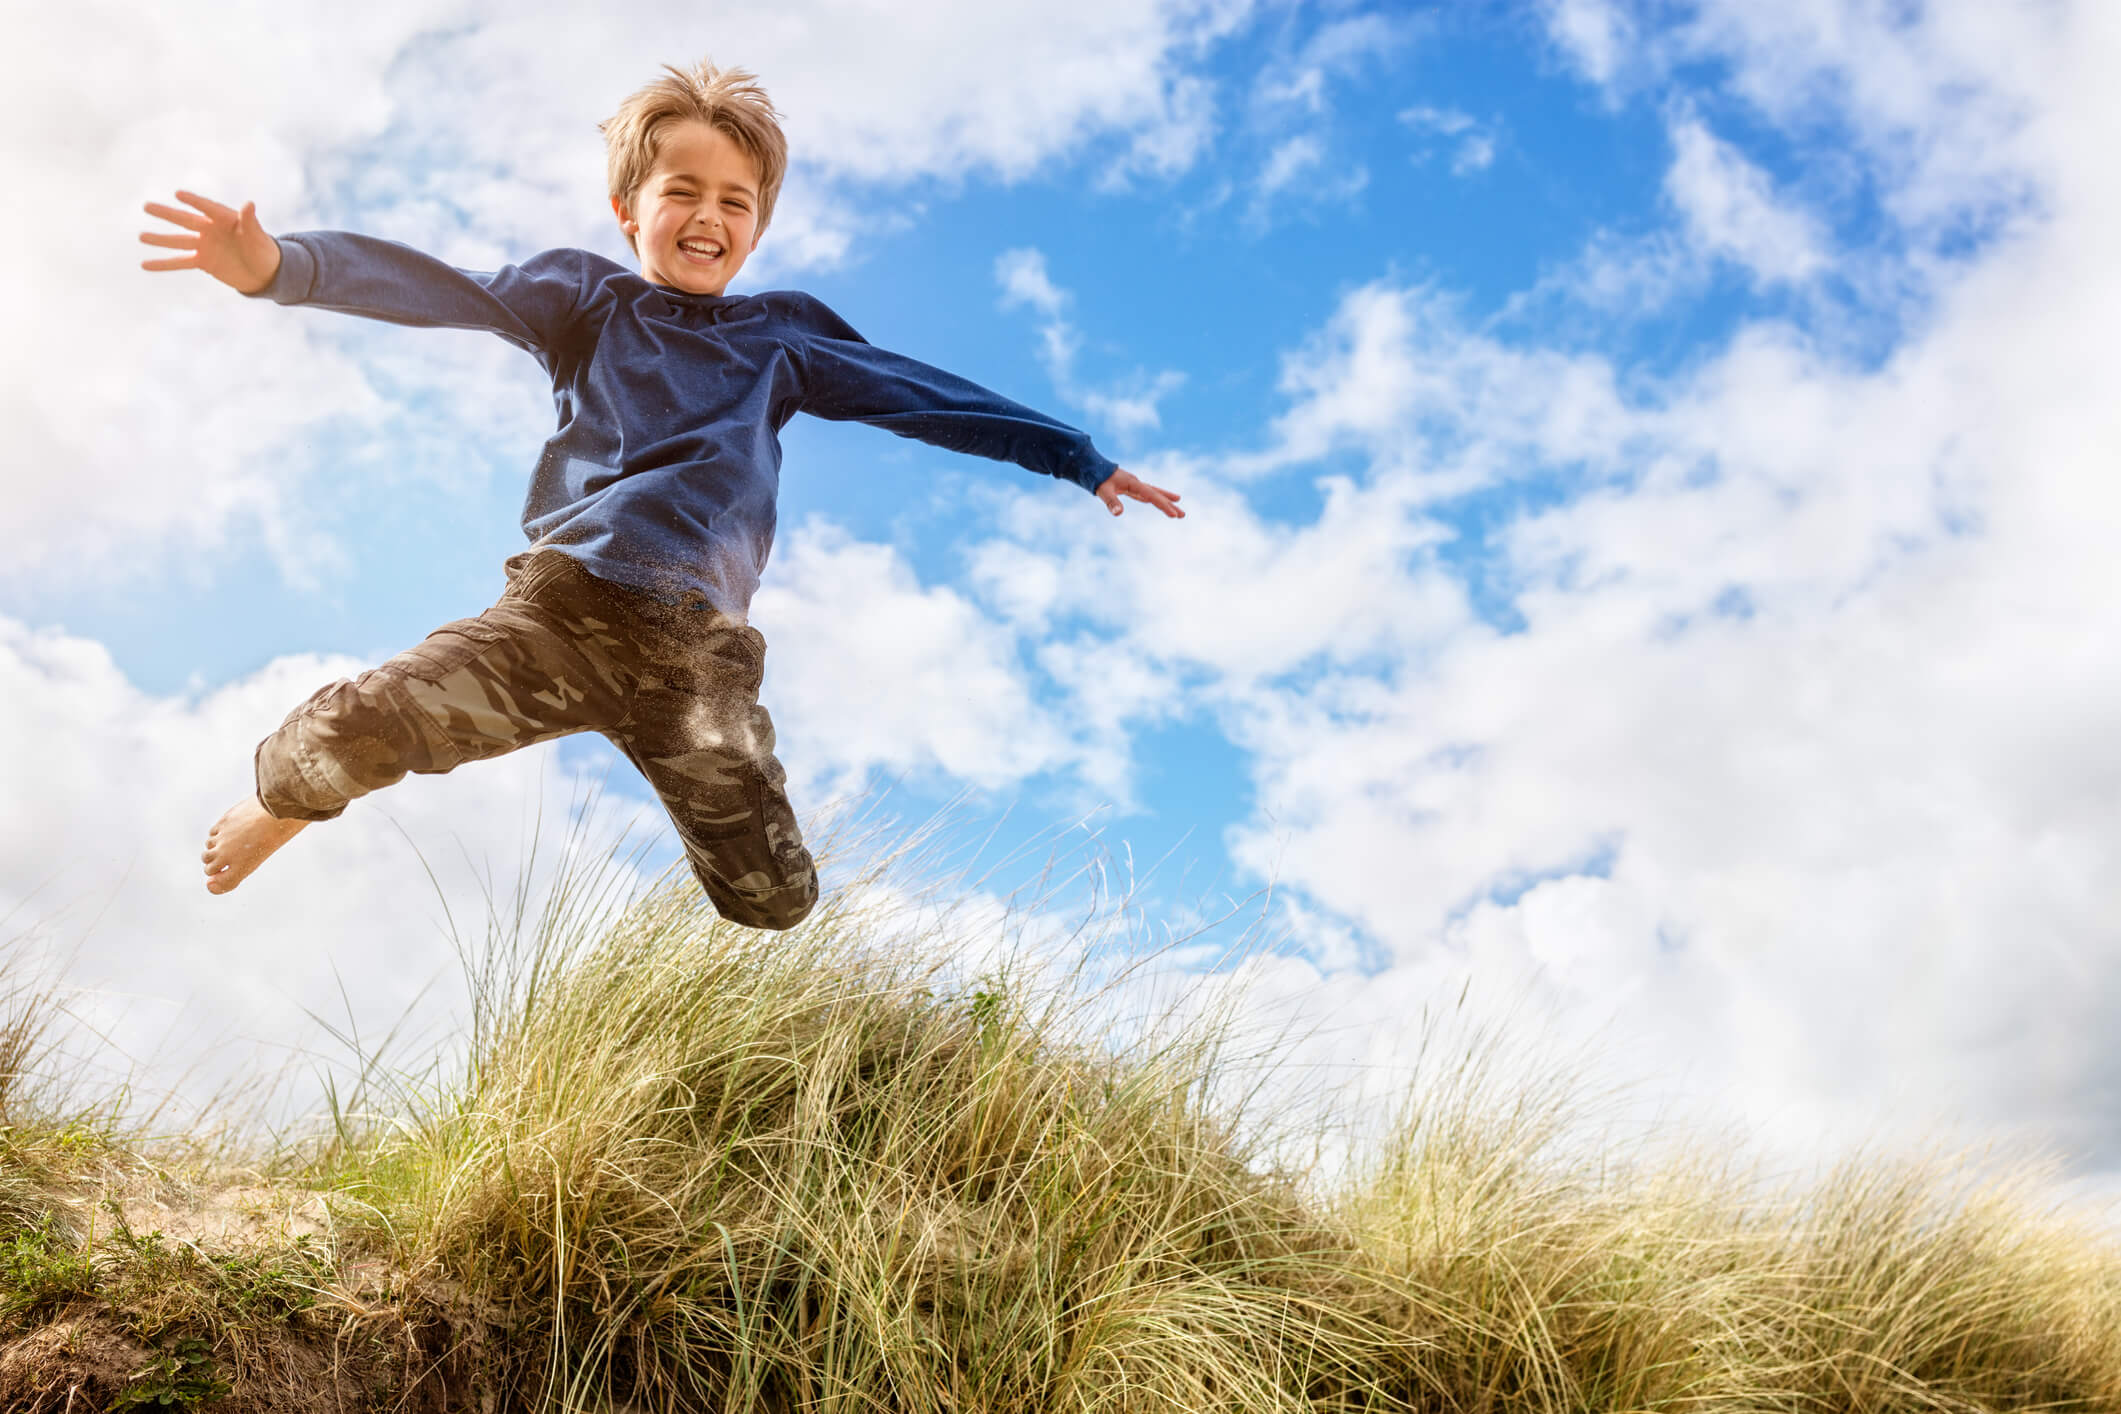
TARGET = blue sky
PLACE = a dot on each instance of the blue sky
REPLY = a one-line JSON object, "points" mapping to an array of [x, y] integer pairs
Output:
{"points": [[1646, 548]]}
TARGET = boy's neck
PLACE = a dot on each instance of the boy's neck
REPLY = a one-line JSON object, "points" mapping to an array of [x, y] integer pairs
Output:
{"points": [[683, 294]]}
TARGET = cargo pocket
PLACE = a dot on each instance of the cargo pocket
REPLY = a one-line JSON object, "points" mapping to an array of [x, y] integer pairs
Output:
{"points": [[448, 648]]}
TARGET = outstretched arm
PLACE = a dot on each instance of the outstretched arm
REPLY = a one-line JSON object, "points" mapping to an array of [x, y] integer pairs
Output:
{"points": [[845, 377], [531, 305], [226, 243], [1125, 483]]}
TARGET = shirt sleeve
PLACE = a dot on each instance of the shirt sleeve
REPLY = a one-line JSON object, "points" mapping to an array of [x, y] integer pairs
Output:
{"points": [[530, 305], [848, 379]]}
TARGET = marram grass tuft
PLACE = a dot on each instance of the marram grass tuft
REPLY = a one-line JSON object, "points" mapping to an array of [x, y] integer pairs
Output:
{"points": [[700, 1167]]}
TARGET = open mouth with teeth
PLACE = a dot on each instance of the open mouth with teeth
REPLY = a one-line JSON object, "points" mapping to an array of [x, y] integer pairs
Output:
{"points": [[703, 251]]}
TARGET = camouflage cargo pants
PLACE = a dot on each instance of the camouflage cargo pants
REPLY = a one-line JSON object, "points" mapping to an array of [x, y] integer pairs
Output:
{"points": [[676, 689]]}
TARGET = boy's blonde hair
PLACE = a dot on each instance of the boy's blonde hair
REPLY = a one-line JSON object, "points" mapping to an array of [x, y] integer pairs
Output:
{"points": [[728, 100]]}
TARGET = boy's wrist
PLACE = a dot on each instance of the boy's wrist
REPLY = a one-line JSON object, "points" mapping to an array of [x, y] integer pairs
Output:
{"points": [[292, 280], [1093, 469]]}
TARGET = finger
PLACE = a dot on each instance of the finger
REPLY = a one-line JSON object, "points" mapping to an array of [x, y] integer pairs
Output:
{"points": [[186, 262], [164, 238], [171, 214], [207, 204], [1165, 501]]}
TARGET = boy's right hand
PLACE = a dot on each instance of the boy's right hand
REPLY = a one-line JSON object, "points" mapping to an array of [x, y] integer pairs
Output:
{"points": [[226, 243]]}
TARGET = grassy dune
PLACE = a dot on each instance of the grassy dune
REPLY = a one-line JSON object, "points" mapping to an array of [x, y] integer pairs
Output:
{"points": [[688, 1166]]}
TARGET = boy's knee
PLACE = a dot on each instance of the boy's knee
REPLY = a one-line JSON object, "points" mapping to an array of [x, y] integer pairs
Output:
{"points": [[776, 909]]}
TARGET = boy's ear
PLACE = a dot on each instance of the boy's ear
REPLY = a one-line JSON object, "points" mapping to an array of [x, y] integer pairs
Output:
{"points": [[618, 209]]}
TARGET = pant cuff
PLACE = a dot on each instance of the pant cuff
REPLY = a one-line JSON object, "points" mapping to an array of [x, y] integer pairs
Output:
{"points": [[274, 796]]}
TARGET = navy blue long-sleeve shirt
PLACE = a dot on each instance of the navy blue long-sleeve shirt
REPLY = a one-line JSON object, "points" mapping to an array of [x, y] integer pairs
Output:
{"points": [[664, 470]]}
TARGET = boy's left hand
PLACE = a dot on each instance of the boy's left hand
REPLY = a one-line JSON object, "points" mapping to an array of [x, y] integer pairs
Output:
{"points": [[1126, 483]]}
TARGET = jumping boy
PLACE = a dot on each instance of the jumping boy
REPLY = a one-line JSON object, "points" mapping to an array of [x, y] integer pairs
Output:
{"points": [[650, 513]]}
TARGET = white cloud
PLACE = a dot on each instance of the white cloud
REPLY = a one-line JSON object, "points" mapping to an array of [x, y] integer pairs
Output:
{"points": [[1614, 276], [1288, 161], [1240, 595], [1728, 211], [1395, 373], [1595, 34], [110, 791], [1301, 167], [1475, 154], [1732, 212], [1941, 98], [1338, 48], [1945, 106], [1023, 278], [1473, 144], [1298, 176], [1128, 406], [1173, 145], [871, 672]]}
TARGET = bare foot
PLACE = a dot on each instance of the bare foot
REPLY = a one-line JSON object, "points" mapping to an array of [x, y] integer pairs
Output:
{"points": [[242, 839]]}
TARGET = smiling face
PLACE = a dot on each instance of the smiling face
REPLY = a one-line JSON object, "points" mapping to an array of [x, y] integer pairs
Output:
{"points": [[694, 217]]}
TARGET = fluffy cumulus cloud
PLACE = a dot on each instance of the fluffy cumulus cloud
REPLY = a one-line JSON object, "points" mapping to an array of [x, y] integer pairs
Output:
{"points": [[1941, 115], [1778, 758], [106, 816], [1731, 210], [1726, 214], [873, 672], [159, 418], [1595, 34]]}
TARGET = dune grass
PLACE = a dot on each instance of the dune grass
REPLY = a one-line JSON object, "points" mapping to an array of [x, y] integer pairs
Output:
{"points": [[1549, 1282], [686, 1166], [697, 1166]]}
